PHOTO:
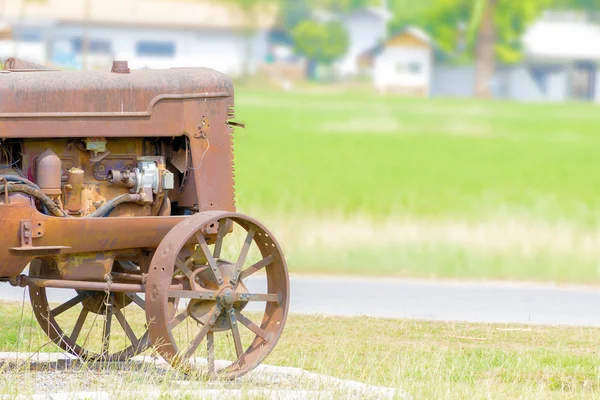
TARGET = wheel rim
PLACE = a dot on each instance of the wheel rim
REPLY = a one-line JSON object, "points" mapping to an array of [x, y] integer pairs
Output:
{"points": [[216, 293], [93, 336]]}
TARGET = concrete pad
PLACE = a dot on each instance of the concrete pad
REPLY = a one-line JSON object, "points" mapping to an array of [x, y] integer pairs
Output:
{"points": [[52, 372]]}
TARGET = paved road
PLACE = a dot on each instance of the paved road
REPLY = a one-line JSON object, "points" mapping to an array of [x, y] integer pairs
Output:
{"points": [[442, 301]]}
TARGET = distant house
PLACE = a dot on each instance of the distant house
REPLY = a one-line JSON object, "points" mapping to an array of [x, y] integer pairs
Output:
{"points": [[562, 55], [401, 64], [366, 26], [147, 33], [31, 50]]}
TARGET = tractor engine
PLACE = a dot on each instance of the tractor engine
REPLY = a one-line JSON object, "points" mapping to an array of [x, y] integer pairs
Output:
{"points": [[98, 176]]}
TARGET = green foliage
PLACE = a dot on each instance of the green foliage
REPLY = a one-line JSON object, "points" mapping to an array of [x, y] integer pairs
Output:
{"points": [[453, 24], [292, 13], [341, 5], [323, 43], [587, 5], [337, 43]]}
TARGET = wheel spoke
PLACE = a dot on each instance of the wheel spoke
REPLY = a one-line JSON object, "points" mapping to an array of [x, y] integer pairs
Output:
{"points": [[126, 328], [210, 347], [183, 266], [107, 328], [214, 314], [252, 326], [220, 235], [178, 319], [79, 325], [242, 258], [270, 298], [239, 350], [137, 300], [256, 267], [143, 341], [188, 294], [209, 257], [70, 304]]}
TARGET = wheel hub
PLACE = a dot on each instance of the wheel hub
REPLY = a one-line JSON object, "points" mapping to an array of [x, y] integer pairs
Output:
{"points": [[227, 297]]}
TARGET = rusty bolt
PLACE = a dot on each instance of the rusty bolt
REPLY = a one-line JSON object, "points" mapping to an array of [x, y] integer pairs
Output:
{"points": [[120, 67]]}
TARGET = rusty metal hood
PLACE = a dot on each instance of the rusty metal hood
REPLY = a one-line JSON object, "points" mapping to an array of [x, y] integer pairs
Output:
{"points": [[44, 91]]}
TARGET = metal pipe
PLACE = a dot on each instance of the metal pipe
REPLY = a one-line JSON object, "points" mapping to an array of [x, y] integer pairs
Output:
{"points": [[114, 203], [128, 277], [24, 280]]}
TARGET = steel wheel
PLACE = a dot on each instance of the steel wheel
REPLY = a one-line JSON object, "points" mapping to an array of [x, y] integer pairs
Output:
{"points": [[216, 293], [84, 325]]}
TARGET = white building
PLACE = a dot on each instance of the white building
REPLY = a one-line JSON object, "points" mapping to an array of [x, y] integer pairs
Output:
{"points": [[147, 33], [562, 54], [367, 27], [402, 64]]}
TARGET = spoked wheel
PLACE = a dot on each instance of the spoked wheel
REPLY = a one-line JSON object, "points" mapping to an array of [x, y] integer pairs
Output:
{"points": [[222, 297], [85, 324]]}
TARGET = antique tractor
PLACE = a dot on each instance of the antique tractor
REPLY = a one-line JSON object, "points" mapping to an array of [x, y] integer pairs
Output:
{"points": [[117, 199]]}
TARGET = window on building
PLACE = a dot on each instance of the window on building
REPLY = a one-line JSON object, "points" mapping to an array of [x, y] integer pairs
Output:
{"points": [[94, 46], [155, 49], [415, 67], [29, 35]]}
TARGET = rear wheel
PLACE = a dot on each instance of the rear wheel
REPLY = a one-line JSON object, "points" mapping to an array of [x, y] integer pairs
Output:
{"points": [[233, 273], [92, 325]]}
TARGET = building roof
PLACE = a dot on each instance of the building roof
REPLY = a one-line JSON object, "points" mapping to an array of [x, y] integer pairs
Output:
{"points": [[172, 13], [551, 40], [414, 31]]}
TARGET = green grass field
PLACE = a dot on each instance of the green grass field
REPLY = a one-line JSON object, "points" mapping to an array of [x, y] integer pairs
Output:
{"points": [[427, 359], [362, 184]]}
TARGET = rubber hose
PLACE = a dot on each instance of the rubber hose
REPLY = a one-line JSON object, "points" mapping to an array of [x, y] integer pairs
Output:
{"points": [[114, 203], [38, 194], [19, 179]]}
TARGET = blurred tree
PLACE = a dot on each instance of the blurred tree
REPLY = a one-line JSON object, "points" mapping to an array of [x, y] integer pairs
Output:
{"points": [[495, 29], [586, 5], [293, 12], [342, 5], [484, 30], [320, 43]]}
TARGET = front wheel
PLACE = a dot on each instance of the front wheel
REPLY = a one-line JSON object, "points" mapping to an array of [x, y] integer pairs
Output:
{"points": [[232, 270]]}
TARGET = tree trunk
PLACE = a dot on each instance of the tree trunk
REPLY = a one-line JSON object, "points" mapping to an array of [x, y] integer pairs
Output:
{"points": [[485, 52]]}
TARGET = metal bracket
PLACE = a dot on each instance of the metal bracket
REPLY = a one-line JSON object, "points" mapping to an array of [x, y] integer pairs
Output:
{"points": [[31, 230], [26, 235], [213, 228]]}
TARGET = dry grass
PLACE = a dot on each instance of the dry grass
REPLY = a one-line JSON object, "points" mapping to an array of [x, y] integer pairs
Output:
{"points": [[500, 234], [427, 359], [500, 247]]}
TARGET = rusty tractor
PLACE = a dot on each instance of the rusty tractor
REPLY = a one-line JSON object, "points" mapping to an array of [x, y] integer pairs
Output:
{"points": [[117, 195]]}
